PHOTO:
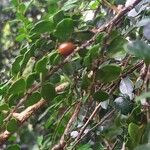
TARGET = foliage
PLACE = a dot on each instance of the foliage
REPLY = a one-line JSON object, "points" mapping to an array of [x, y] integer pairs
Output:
{"points": [[95, 98]]}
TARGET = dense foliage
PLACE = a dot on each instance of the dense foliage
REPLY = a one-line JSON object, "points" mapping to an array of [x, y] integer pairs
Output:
{"points": [[76, 76]]}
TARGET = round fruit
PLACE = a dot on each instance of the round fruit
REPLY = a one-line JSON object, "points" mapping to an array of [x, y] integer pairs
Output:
{"points": [[66, 48]]}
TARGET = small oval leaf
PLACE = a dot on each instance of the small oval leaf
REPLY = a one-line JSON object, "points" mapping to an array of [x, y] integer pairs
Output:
{"points": [[12, 125], [17, 87], [48, 91], [108, 73]]}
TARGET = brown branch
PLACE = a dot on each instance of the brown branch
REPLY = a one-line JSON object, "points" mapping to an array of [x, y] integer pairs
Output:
{"points": [[114, 85], [79, 138], [87, 122], [29, 111], [62, 142], [62, 87], [132, 69], [106, 27], [58, 88], [110, 6], [120, 15], [4, 136], [21, 118]]}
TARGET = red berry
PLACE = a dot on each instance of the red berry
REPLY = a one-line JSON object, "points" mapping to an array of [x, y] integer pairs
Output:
{"points": [[66, 48]]}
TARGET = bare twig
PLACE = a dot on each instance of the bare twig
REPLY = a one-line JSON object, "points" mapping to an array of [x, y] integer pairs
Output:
{"points": [[62, 142], [29, 111], [110, 6], [21, 118], [87, 122], [79, 138], [58, 88]]}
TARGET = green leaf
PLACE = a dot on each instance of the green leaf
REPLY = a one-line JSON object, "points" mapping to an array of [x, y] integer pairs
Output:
{"points": [[18, 86], [30, 79], [124, 105], [54, 58], [12, 125], [22, 8], [13, 99], [32, 99], [139, 49], [16, 65], [83, 35], [27, 57], [85, 82], [21, 37], [43, 26], [40, 66], [58, 17], [14, 147], [48, 91], [108, 73], [85, 147], [69, 4], [134, 133], [15, 2], [4, 88], [143, 147], [4, 107], [116, 45], [64, 29], [68, 68], [143, 96], [1, 119], [55, 78], [54, 7], [94, 4], [100, 96], [29, 67], [91, 55]]}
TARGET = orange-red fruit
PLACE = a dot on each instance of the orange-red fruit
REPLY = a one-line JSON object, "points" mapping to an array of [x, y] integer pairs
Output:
{"points": [[66, 48]]}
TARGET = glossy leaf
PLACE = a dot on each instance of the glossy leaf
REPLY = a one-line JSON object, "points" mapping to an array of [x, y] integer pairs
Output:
{"points": [[43, 26], [100, 96], [143, 147], [12, 125], [16, 65], [48, 91], [126, 87], [18, 86], [40, 66], [31, 79], [32, 99], [134, 132], [108, 73], [4, 107], [139, 49], [64, 29], [14, 147], [59, 16], [124, 105]]}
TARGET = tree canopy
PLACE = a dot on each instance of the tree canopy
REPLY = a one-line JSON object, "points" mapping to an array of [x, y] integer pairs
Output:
{"points": [[75, 74]]}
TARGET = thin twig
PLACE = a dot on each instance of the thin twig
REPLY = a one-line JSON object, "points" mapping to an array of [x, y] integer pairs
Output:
{"points": [[21, 118], [79, 138], [62, 142]]}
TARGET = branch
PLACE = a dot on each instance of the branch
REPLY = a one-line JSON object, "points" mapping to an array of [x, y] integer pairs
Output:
{"points": [[21, 118], [112, 23], [58, 88], [112, 7], [79, 138], [87, 122], [62, 142], [119, 16]]}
